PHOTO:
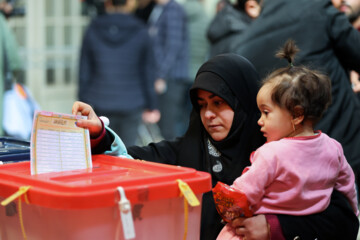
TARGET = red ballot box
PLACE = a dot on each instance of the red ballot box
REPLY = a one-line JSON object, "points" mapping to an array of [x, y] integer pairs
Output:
{"points": [[117, 199]]}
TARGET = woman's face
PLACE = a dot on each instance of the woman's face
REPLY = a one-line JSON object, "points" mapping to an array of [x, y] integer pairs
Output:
{"points": [[216, 115]]}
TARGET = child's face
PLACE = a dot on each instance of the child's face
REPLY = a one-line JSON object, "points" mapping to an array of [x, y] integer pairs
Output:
{"points": [[216, 114], [275, 122]]}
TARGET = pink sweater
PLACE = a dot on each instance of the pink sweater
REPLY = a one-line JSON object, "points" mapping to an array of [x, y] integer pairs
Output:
{"points": [[296, 176]]}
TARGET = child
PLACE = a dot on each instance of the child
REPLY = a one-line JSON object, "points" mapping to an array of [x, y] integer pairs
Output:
{"points": [[297, 169]]}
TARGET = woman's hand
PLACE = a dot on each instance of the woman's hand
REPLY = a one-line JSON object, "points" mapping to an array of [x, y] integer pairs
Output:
{"points": [[252, 228], [93, 123]]}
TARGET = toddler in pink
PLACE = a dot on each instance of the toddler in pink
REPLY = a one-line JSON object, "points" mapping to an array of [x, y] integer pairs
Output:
{"points": [[296, 171]]}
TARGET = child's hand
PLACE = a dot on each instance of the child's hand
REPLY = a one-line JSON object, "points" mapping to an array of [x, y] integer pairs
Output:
{"points": [[93, 123]]}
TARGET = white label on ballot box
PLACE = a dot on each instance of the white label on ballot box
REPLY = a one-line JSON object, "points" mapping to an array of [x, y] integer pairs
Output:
{"points": [[126, 215], [57, 144]]}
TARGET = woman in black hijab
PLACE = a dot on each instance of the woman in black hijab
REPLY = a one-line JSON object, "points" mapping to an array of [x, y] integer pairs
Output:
{"points": [[233, 79]]}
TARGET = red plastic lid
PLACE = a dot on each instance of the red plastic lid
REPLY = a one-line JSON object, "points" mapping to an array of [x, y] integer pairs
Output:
{"points": [[97, 187]]}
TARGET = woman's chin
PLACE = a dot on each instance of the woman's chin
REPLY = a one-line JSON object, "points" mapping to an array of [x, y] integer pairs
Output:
{"points": [[218, 136]]}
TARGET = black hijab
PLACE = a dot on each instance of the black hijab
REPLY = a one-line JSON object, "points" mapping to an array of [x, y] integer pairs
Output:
{"points": [[234, 79]]}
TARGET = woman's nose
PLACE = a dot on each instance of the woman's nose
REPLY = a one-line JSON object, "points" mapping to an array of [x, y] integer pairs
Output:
{"points": [[209, 113]]}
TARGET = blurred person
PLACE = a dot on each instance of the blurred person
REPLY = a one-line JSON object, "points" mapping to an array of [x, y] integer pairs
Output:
{"points": [[116, 69], [220, 5], [351, 8], [197, 22], [144, 8], [10, 61], [6, 7], [168, 28], [329, 43], [230, 22]]}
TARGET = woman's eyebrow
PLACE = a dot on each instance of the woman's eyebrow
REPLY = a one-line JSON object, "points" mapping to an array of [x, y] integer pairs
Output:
{"points": [[210, 96]]}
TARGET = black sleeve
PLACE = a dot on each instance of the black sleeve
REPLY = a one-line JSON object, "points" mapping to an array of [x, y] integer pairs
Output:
{"points": [[338, 221], [104, 145], [161, 152]]}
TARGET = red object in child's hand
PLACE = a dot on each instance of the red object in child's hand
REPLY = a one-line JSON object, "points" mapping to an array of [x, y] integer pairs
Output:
{"points": [[230, 202]]}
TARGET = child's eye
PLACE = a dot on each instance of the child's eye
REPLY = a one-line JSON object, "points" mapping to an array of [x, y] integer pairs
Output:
{"points": [[266, 112]]}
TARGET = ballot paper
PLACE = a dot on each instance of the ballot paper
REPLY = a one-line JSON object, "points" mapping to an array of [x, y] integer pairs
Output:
{"points": [[57, 144]]}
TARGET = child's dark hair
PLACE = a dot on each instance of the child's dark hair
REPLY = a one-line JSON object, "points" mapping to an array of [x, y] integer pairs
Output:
{"points": [[300, 90]]}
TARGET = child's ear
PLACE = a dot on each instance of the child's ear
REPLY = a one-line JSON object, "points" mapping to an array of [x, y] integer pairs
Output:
{"points": [[298, 116]]}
